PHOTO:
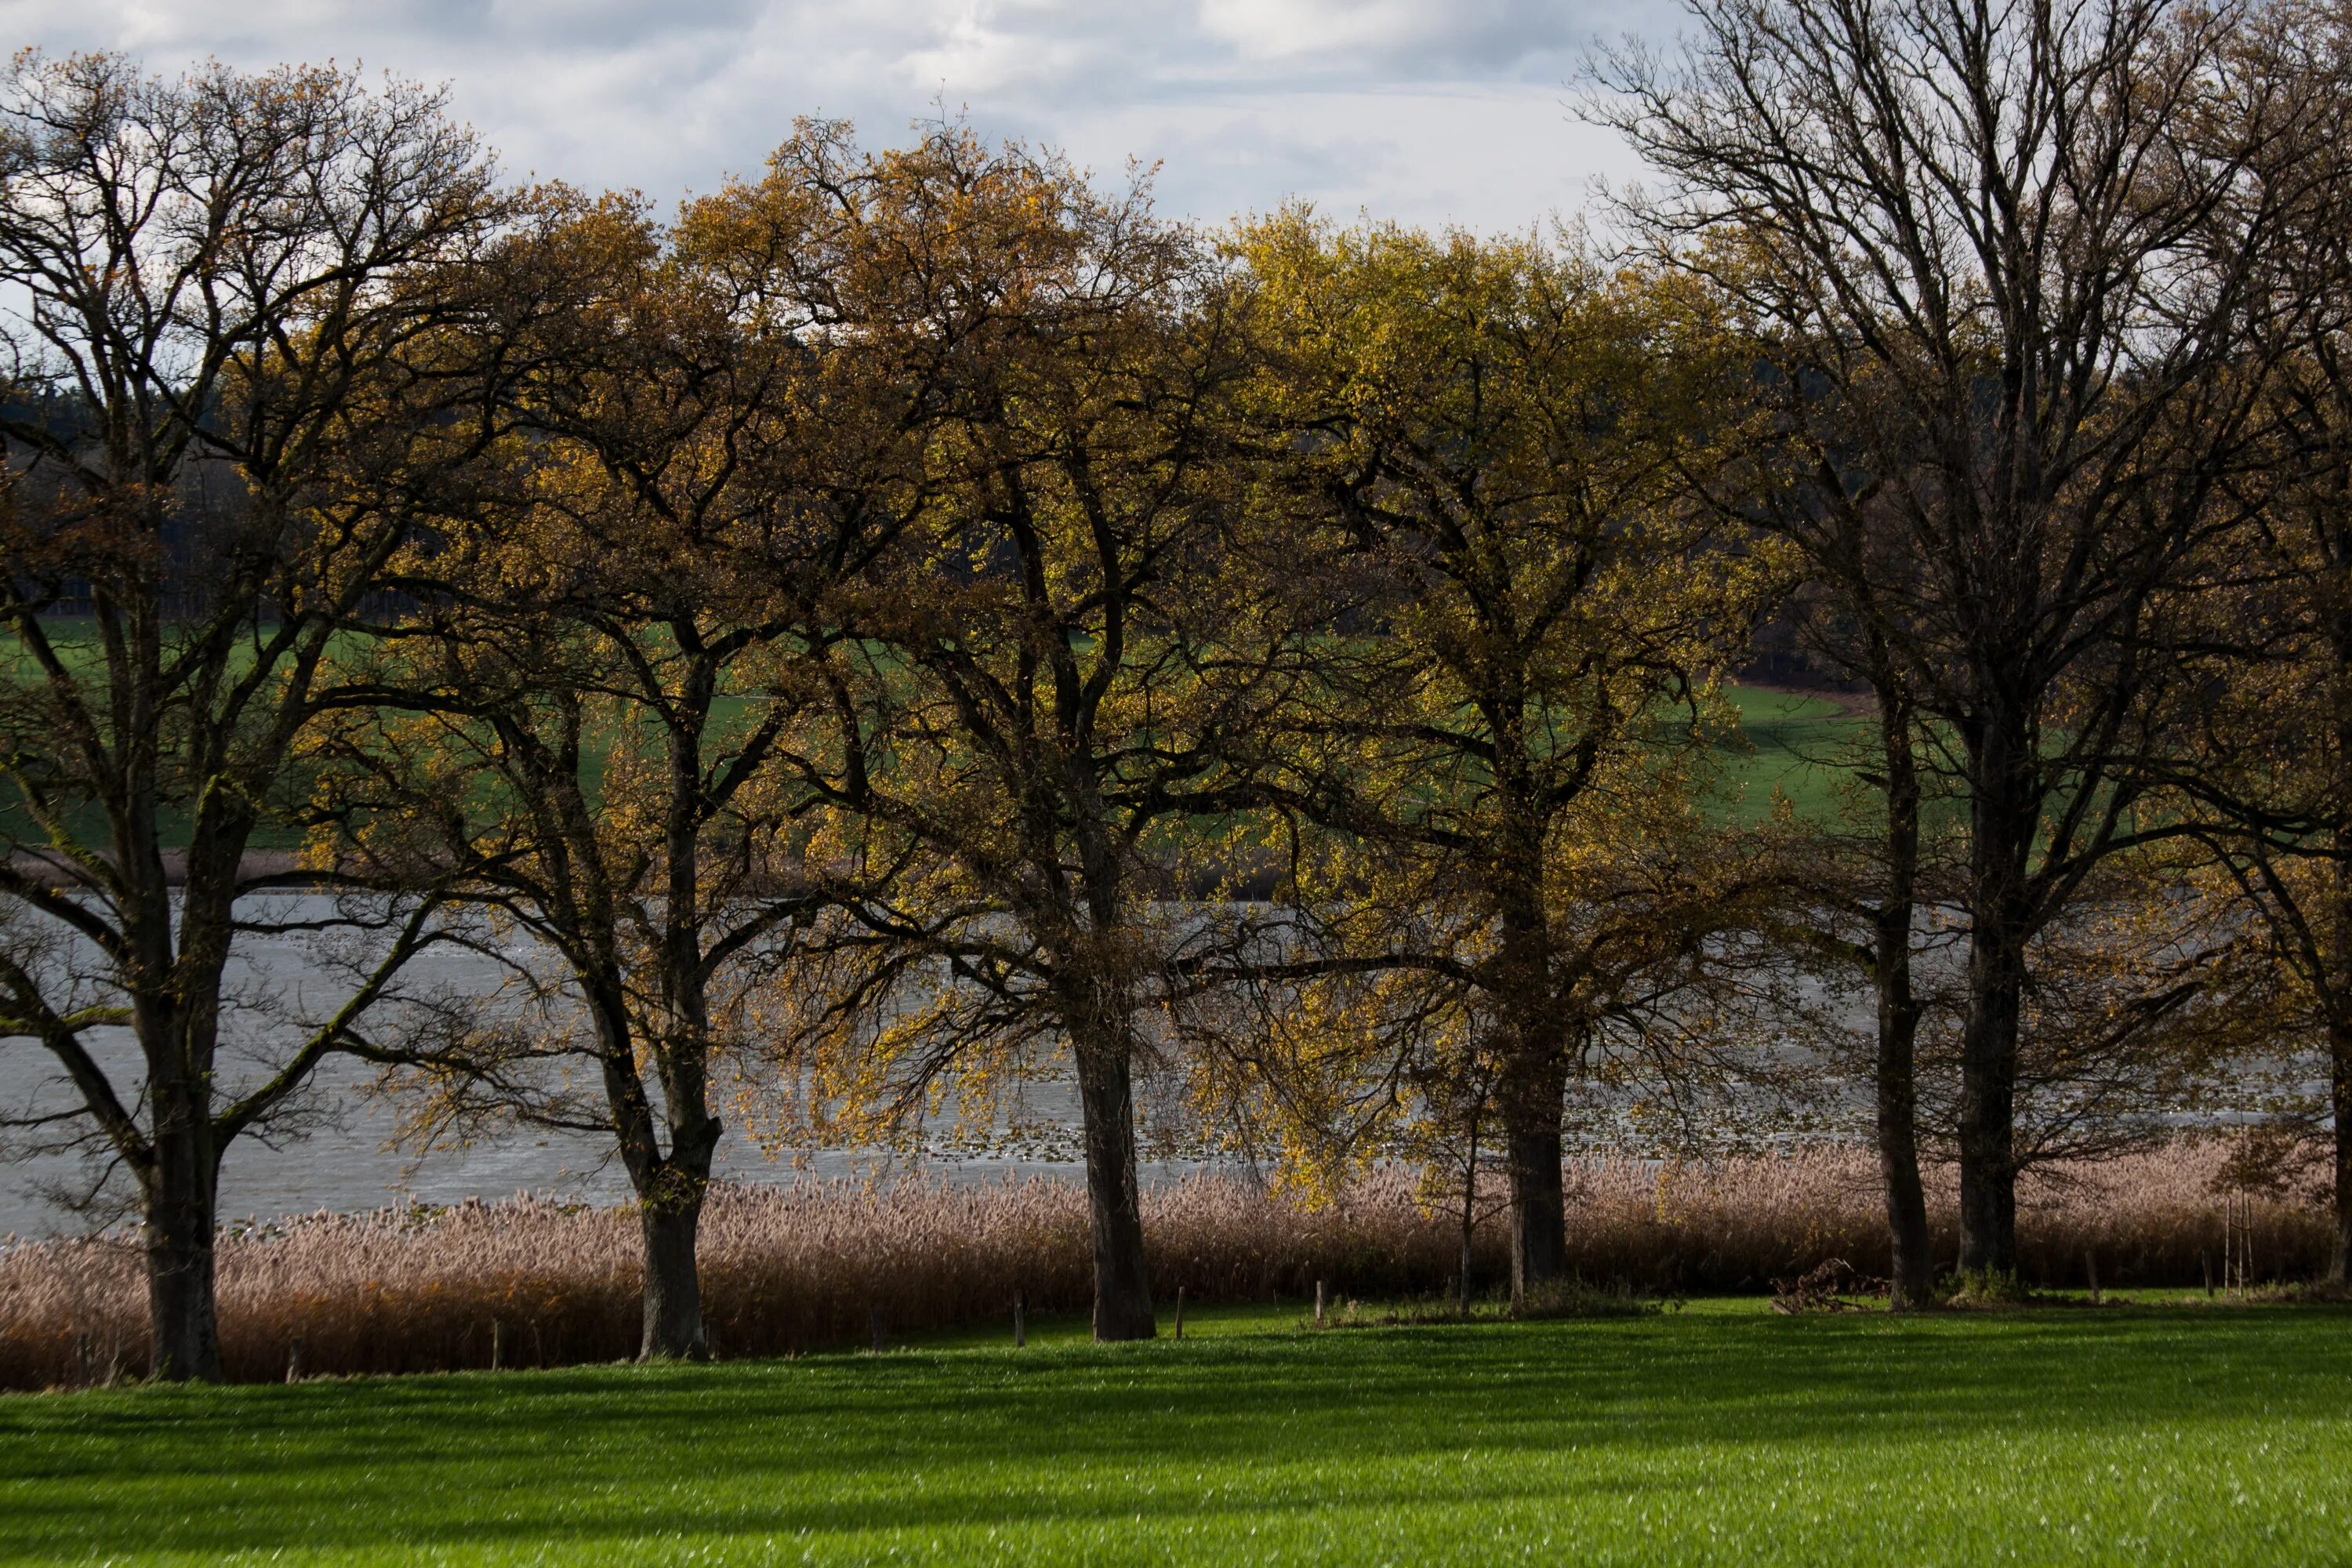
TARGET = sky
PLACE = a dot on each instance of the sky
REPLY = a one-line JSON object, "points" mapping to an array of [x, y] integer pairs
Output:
{"points": [[1425, 111]]}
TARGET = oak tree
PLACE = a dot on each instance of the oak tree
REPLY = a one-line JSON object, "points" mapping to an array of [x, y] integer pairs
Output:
{"points": [[1036, 688], [2002, 258], [1514, 709], [242, 350]]}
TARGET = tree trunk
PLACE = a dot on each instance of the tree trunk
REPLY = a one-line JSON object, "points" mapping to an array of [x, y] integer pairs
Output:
{"points": [[2004, 816], [2335, 991], [1987, 1107], [1122, 1286], [1469, 1212], [671, 1213], [673, 1298], [178, 1168], [1996, 979], [669, 1187], [2340, 1054], [674, 1327], [1531, 1119], [179, 1189], [1913, 1273]]}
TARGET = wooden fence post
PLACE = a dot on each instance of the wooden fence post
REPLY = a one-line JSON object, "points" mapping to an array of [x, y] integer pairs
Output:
{"points": [[294, 1361], [873, 1323], [1318, 1303], [82, 1355], [498, 1344], [1020, 1323], [1180, 1312]]}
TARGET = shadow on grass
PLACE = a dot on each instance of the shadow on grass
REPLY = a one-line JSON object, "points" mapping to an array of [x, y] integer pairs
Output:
{"points": [[1273, 1423]]}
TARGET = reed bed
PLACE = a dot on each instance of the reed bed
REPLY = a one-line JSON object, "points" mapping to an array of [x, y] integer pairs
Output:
{"points": [[796, 1268]]}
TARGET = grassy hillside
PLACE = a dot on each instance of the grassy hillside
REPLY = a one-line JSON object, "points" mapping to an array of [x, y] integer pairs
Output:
{"points": [[1799, 745], [1792, 744], [2128, 1434]]}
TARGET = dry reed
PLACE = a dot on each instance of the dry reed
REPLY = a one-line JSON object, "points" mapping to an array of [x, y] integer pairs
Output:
{"points": [[795, 1267]]}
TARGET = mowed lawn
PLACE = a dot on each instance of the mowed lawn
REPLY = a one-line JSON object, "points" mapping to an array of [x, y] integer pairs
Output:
{"points": [[1721, 1433]]}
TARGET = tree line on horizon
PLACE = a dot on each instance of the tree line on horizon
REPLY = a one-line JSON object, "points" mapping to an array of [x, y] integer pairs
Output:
{"points": [[920, 619]]}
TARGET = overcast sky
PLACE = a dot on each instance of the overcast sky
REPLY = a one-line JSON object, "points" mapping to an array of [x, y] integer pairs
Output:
{"points": [[1423, 110]]}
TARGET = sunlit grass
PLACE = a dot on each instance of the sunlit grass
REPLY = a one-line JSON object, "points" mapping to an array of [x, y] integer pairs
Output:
{"points": [[1795, 745], [2125, 1435]]}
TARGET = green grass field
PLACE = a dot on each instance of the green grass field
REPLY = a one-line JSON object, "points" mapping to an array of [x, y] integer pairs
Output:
{"points": [[1792, 743], [2125, 1435], [1799, 745]]}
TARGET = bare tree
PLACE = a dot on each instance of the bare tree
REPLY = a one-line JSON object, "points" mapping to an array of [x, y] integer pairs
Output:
{"points": [[2000, 260], [2270, 778], [582, 703], [250, 289]]}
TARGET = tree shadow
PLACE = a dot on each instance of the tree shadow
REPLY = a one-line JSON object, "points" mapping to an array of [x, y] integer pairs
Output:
{"points": [[1070, 1435]]}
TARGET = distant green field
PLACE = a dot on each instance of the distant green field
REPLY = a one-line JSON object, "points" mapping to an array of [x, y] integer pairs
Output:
{"points": [[1793, 744], [1722, 1434], [1802, 747]]}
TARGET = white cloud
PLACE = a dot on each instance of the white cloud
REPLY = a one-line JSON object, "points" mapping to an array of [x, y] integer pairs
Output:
{"points": [[1417, 109], [1310, 30]]}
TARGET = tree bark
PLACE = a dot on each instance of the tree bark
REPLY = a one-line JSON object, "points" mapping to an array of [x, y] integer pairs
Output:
{"points": [[2339, 1100], [1913, 1271], [1532, 1120], [2339, 1106], [671, 1210], [179, 1201], [2335, 985], [1469, 1212], [673, 1295], [1115, 1210], [2001, 839], [669, 1187], [1987, 1101]]}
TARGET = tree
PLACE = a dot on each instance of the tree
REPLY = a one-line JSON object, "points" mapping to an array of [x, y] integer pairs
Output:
{"points": [[2270, 775], [1513, 711], [241, 357], [728, 428], [2002, 260], [1036, 688], [1855, 891]]}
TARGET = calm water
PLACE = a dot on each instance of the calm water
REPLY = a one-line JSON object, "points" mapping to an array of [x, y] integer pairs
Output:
{"points": [[336, 1154]]}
